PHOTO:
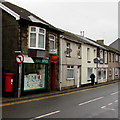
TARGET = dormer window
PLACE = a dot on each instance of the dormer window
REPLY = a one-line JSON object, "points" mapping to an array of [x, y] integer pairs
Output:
{"points": [[37, 37]]}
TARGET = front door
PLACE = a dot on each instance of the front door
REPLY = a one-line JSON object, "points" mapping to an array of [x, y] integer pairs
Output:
{"points": [[78, 77]]}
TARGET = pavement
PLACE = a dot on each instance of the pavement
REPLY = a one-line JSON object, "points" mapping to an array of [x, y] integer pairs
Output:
{"points": [[26, 97]]}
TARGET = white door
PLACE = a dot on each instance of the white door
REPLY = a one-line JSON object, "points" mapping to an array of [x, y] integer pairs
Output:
{"points": [[113, 74], [78, 77]]}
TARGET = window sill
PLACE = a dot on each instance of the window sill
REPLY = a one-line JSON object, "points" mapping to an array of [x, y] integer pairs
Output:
{"points": [[88, 61], [70, 78], [37, 48], [79, 57], [68, 56]]}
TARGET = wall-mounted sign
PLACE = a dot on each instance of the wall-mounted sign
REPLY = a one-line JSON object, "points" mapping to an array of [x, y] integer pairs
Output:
{"points": [[19, 58], [53, 51], [96, 60], [44, 61]]}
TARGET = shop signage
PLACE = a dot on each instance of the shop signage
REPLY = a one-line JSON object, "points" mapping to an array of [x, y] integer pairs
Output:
{"points": [[43, 61], [54, 58], [53, 51]]}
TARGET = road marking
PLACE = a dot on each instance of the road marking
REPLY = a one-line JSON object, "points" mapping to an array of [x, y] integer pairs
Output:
{"points": [[48, 114], [116, 101], [90, 101], [103, 107], [110, 103], [42, 98], [114, 93]]}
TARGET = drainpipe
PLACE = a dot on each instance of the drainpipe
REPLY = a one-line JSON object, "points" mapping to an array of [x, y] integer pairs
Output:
{"points": [[60, 67]]}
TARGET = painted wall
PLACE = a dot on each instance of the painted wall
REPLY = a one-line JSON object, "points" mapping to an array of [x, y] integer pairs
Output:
{"points": [[85, 64], [64, 61]]}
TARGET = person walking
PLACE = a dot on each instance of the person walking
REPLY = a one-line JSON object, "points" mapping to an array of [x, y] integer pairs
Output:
{"points": [[92, 76]]}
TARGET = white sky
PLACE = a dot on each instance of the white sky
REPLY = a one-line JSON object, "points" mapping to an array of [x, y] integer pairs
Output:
{"points": [[98, 18]]}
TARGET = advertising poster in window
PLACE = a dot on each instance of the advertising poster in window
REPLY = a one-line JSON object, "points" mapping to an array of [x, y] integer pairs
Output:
{"points": [[33, 81], [34, 76]]}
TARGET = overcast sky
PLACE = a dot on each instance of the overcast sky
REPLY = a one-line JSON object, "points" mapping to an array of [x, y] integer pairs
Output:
{"points": [[98, 18]]}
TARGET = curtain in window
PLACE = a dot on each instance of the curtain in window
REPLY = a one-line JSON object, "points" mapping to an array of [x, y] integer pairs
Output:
{"points": [[41, 41], [32, 39], [51, 44], [70, 73]]}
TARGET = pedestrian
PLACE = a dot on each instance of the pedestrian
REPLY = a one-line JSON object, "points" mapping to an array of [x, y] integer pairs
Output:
{"points": [[92, 76]]}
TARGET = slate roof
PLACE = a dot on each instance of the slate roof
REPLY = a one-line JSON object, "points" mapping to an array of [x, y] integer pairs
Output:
{"points": [[77, 38], [71, 36], [26, 15]]}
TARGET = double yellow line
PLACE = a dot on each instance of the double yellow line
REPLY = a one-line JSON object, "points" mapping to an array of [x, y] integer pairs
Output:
{"points": [[42, 98]]}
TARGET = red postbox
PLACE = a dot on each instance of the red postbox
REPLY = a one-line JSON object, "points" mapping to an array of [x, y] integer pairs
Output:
{"points": [[9, 82]]}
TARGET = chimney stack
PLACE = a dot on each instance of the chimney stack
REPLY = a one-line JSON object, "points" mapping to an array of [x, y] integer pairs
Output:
{"points": [[100, 41], [82, 33]]}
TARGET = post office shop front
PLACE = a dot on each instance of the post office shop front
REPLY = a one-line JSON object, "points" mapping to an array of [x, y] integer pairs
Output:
{"points": [[35, 74]]}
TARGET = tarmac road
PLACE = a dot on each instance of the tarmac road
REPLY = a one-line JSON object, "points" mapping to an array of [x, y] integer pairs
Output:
{"points": [[100, 102]]}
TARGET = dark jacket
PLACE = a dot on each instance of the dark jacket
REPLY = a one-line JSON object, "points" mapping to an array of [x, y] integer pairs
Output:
{"points": [[92, 76]]}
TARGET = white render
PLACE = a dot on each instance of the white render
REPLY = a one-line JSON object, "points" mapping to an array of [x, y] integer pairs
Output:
{"points": [[64, 61], [86, 65]]}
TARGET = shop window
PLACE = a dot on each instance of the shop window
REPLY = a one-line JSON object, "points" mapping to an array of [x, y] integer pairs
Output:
{"points": [[99, 74], [110, 72], [37, 38], [34, 76], [70, 72], [104, 74], [52, 41], [116, 71]]}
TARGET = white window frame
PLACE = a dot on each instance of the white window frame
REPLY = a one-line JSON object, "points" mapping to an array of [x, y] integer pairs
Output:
{"points": [[37, 33], [68, 47], [116, 58], [116, 71], [91, 71], [79, 51], [104, 75], [52, 40], [88, 55], [71, 67], [105, 57]]}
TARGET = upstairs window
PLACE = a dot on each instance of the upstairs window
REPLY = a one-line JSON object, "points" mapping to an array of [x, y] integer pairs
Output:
{"points": [[109, 57], [68, 50], [37, 38], [113, 59], [79, 51], [105, 57], [88, 55], [116, 58], [52, 41]]}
